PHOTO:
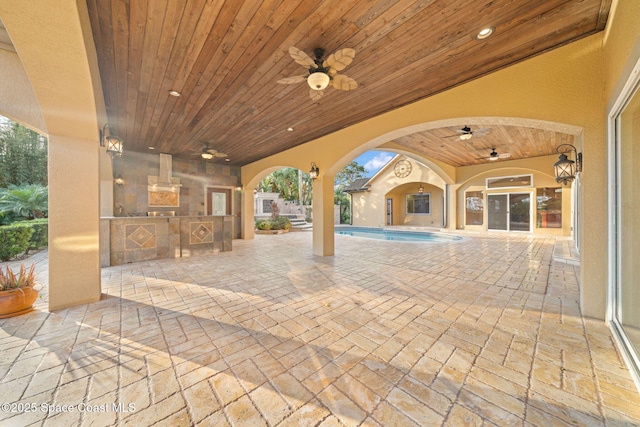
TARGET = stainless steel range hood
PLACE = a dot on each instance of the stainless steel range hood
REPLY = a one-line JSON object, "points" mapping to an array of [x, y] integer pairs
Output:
{"points": [[164, 181]]}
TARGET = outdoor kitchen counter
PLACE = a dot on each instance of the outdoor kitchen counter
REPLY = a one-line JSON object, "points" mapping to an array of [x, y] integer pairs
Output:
{"points": [[141, 238]]}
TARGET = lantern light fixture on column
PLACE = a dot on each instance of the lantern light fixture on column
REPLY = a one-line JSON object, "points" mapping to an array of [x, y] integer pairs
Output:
{"points": [[313, 173], [113, 143], [566, 169]]}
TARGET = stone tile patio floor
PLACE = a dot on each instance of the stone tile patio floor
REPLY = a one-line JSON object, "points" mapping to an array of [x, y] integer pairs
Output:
{"points": [[483, 331]]}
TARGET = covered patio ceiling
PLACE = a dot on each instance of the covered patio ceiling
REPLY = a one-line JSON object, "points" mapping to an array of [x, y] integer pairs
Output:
{"points": [[224, 58]]}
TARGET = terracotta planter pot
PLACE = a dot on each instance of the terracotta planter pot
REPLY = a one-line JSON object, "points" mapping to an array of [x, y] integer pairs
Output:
{"points": [[17, 301]]}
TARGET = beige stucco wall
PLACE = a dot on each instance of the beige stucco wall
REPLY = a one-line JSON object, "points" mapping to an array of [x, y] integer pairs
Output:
{"points": [[540, 180], [400, 216], [369, 208], [17, 99]]}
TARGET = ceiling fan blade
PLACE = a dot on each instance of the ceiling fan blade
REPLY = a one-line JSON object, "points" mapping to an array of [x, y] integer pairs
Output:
{"points": [[293, 79], [504, 155], [343, 82], [315, 95], [301, 58], [479, 133], [340, 59]]}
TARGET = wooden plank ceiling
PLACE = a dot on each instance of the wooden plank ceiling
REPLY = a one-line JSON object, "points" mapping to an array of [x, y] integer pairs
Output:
{"points": [[225, 56]]}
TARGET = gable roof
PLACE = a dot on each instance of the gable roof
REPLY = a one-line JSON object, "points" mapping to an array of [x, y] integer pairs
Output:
{"points": [[359, 184]]}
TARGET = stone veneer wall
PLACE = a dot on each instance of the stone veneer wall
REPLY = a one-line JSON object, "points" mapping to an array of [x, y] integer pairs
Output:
{"points": [[195, 175], [135, 239]]}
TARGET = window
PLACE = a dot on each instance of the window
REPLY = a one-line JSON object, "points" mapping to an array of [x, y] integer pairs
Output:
{"points": [[549, 204], [474, 208], [419, 203], [510, 181], [266, 205]]}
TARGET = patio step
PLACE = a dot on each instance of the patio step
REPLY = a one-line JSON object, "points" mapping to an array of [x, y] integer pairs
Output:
{"points": [[300, 224]]}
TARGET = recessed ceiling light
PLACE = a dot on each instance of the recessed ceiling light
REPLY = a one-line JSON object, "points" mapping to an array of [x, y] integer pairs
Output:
{"points": [[174, 93], [485, 33], [289, 129], [151, 147], [227, 160]]}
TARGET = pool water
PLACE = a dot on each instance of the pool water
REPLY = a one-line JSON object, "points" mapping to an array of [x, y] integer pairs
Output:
{"points": [[396, 235]]}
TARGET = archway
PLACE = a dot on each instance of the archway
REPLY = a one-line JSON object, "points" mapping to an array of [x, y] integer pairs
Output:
{"points": [[70, 106]]}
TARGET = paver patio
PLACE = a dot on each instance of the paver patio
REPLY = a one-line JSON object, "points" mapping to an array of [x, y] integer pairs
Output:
{"points": [[483, 331]]}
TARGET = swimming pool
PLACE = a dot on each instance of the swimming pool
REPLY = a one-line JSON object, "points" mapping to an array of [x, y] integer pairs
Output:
{"points": [[395, 235]]}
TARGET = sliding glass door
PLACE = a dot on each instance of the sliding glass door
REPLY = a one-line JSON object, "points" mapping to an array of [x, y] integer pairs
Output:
{"points": [[509, 212], [625, 228]]}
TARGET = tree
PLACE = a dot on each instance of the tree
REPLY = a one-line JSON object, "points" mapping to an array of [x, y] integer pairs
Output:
{"points": [[350, 173], [23, 156], [287, 182], [293, 184], [343, 179]]}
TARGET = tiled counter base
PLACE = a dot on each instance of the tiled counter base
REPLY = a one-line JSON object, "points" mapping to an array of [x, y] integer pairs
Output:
{"points": [[126, 240]]}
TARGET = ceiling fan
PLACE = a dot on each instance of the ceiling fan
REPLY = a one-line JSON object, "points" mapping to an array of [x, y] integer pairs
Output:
{"points": [[208, 153], [466, 133], [322, 72], [495, 156]]}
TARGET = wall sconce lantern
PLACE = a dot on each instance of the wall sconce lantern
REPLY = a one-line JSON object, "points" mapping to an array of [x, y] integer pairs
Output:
{"points": [[566, 169], [118, 180], [112, 142], [420, 189], [313, 173]]}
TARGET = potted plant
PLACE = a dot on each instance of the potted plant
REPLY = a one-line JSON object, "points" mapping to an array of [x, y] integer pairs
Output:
{"points": [[17, 294]]}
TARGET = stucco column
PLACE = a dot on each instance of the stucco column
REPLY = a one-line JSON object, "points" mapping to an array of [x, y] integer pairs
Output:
{"points": [[452, 207], [74, 211], [248, 212], [106, 184], [323, 238]]}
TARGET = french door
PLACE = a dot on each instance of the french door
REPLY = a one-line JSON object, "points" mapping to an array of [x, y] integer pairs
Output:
{"points": [[218, 201], [509, 212], [389, 211]]}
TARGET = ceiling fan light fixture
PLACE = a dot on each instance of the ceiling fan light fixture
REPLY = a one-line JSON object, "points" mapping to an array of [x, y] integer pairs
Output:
{"points": [[466, 136], [207, 156], [318, 80]]}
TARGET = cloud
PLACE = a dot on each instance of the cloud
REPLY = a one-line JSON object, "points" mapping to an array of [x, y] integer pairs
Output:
{"points": [[378, 161]]}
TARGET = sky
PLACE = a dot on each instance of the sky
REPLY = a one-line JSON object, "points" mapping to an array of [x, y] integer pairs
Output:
{"points": [[374, 160]]}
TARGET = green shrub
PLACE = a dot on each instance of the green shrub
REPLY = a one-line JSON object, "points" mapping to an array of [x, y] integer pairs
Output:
{"points": [[263, 224], [14, 240], [40, 236], [279, 223], [26, 201]]}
